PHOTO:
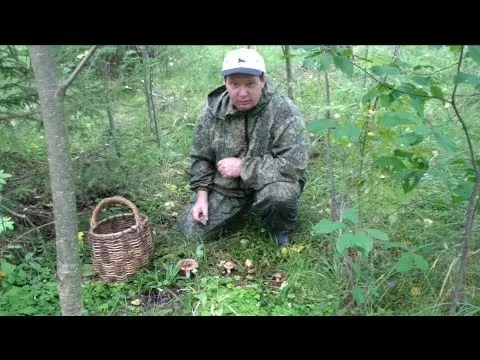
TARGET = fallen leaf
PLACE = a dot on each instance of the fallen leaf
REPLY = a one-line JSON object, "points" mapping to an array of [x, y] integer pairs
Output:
{"points": [[135, 302], [415, 291], [298, 248]]}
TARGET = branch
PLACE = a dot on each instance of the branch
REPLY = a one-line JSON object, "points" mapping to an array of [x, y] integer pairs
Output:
{"points": [[465, 129], [20, 216], [437, 71], [400, 91], [11, 117], [63, 88]]}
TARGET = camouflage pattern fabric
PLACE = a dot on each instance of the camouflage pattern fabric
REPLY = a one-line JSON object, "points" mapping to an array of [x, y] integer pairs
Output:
{"points": [[271, 139], [276, 204]]}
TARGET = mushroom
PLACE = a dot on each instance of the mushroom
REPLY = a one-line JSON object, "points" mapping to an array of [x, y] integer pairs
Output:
{"points": [[278, 277], [229, 266], [188, 266], [249, 266]]}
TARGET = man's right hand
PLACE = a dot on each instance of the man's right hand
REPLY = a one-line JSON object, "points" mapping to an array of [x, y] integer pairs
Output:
{"points": [[200, 208]]}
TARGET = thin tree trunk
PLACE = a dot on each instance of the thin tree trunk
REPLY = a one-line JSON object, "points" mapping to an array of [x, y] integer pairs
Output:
{"points": [[105, 69], [333, 206], [113, 129], [288, 67], [459, 294], [62, 184], [148, 84], [365, 75]]}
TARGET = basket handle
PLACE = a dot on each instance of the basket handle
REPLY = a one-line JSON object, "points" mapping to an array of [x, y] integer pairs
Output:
{"points": [[114, 200]]}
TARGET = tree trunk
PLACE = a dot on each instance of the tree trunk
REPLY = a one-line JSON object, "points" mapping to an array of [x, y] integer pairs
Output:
{"points": [[149, 96], [61, 179], [328, 116], [288, 66]]}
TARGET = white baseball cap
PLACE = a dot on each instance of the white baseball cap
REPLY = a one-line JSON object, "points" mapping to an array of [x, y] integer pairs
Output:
{"points": [[243, 61]]}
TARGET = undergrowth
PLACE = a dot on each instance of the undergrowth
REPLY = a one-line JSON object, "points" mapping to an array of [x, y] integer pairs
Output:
{"points": [[312, 277]]}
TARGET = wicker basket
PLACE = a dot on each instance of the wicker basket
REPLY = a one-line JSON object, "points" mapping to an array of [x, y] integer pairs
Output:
{"points": [[120, 244]]}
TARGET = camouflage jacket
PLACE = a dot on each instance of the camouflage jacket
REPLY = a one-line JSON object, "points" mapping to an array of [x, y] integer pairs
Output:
{"points": [[270, 138]]}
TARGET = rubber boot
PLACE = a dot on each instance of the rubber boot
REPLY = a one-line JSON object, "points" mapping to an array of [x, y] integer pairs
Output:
{"points": [[282, 239]]}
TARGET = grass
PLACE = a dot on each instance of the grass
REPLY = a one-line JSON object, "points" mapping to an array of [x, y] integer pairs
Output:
{"points": [[316, 279]]}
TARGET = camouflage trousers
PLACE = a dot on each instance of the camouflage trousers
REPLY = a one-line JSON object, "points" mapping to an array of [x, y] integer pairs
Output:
{"points": [[276, 204]]}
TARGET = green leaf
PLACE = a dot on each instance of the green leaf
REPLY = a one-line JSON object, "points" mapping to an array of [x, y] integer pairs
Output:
{"points": [[358, 295], [7, 268], [3, 176], [418, 104], [318, 126], [409, 139], [422, 80], [390, 162], [384, 70], [326, 226], [455, 49], [344, 242], [391, 119], [436, 92], [344, 64], [419, 162], [325, 62], [404, 263], [410, 180], [463, 191], [6, 223], [470, 79], [386, 100], [363, 241], [420, 262], [369, 96], [308, 63], [402, 153], [445, 142], [351, 215], [421, 129], [377, 234], [474, 53], [351, 131]]}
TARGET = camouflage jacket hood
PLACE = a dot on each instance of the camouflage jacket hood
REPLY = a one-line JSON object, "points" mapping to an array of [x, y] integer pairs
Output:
{"points": [[270, 138]]}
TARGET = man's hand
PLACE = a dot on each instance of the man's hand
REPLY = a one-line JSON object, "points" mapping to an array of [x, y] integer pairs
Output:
{"points": [[230, 167], [200, 208]]}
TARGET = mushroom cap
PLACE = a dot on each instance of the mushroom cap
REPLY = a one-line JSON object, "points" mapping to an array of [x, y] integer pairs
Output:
{"points": [[229, 265], [189, 264]]}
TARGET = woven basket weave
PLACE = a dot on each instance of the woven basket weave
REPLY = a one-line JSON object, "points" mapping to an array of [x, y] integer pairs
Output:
{"points": [[121, 244]]}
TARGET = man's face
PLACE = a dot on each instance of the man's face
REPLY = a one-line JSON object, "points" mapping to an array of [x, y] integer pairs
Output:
{"points": [[244, 90]]}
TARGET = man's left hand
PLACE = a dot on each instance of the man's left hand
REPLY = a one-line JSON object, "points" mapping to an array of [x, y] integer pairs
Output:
{"points": [[230, 167]]}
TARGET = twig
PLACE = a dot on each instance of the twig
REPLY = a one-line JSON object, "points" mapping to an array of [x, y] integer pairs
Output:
{"points": [[63, 88], [437, 71], [20, 216]]}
